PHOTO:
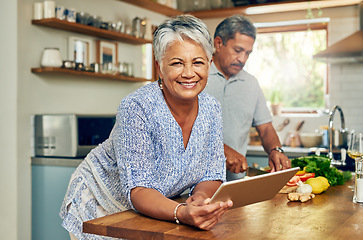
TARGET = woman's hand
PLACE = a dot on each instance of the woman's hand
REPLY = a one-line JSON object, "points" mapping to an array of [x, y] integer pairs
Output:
{"points": [[197, 198], [198, 212], [201, 213]]}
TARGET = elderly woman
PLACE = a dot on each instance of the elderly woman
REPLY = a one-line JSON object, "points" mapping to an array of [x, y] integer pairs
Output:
{"points": [[167, 138]]}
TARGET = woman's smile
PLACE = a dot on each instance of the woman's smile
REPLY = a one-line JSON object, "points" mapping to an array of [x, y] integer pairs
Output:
{"points": [[188, 84], [184, 70]]}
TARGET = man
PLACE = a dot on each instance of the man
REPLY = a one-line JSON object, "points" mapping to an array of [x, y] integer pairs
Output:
{"points": [[243, 103]]}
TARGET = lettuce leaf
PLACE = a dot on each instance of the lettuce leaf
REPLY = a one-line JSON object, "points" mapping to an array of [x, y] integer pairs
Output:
{"points": [[320, 165]]}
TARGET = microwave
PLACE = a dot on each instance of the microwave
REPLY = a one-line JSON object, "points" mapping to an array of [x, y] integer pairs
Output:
{"points": [[70, 135]]}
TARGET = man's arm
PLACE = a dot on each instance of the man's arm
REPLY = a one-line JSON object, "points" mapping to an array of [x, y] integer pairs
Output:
{"points": [[270, 140]]}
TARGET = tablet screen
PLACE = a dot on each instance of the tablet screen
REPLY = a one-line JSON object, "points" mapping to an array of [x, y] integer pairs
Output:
{"points": [[254, 189]]}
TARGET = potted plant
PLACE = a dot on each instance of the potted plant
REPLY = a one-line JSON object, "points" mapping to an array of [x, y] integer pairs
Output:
{"points": [[276, 102]]}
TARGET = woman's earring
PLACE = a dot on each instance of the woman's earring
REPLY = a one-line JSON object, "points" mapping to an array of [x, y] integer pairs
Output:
{"points": [[160, 84]]}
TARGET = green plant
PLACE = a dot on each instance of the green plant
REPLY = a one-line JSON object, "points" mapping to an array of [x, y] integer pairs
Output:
{"points": [[275, 97]]}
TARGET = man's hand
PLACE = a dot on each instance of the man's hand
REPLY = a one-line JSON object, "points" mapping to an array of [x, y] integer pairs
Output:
{"points": [[236, 162], [278, 161]]}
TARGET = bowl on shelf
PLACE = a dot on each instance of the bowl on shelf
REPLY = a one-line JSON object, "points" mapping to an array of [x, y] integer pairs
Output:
{"points": [[311, 139]]}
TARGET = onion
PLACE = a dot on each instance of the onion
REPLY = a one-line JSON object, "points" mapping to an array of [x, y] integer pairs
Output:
{"points": [[304, 188]]}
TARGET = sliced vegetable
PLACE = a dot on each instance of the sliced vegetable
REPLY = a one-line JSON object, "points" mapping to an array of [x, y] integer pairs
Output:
{"points": [[306, 176], [320, 166], [293, 181], [301, 172]]}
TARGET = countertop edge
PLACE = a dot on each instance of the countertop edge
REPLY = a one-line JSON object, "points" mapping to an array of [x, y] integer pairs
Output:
{"points": [[252, 151], [62, 162], [291, 152]]}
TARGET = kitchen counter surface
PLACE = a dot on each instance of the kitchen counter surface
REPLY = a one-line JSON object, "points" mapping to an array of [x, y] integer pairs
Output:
{"points": [[55, 161], [290, 152], [330, 215]]}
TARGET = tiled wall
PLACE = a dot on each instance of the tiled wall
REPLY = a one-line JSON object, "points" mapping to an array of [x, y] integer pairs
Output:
{"points": [[346, 79], [347, 91]]}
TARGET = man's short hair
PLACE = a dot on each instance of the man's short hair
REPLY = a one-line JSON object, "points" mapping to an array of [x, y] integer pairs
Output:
{"points": [[227, 29]]}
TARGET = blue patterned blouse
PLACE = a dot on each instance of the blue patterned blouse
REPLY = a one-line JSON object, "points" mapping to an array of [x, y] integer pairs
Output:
{"points": [[145, 149]]}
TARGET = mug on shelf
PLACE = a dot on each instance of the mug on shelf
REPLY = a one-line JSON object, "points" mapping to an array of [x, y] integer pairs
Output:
{"points": [[38, 10], [49, 9], [51, 58], [60, 12], [71, 15]]}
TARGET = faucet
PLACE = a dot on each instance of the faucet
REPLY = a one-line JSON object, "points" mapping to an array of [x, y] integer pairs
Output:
{"points": [[331, 118]]}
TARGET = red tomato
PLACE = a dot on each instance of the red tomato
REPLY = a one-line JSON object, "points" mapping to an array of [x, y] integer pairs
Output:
{"points": [[306, 176], [293, 181]]}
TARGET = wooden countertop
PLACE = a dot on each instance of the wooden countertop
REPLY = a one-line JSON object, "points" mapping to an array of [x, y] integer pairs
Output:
{"points": [[331, 215]]}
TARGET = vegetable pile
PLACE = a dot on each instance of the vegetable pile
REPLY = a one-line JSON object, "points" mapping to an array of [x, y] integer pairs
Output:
{"points": [[320, 166]]}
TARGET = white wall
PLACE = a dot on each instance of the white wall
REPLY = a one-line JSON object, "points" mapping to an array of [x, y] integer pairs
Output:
{"points": [[23, 94], [8, 121]]}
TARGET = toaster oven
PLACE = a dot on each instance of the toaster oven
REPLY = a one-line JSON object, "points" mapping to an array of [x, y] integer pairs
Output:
{"points": [[70, 135]]}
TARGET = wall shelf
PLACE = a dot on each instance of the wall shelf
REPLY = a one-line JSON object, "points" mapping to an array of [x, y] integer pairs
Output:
{"points": [[272, 7], [155, 7], [56, 71], [89, 30]]}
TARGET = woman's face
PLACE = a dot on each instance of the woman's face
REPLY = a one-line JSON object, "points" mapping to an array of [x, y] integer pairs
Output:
{"points": [[184, 71]]}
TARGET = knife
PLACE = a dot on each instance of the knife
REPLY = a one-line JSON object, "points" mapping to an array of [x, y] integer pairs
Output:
{"points": [[250, 172]]}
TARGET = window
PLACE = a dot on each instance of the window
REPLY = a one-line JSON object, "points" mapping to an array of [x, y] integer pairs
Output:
{"points": [[282, 62]]}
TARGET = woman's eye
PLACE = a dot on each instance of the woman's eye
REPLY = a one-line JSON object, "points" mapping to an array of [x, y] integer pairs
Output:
{"points": [[176, 64], [199, 63]]}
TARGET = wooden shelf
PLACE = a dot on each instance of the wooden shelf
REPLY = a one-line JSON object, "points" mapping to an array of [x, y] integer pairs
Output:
{"points": [[274, 7], [89, 30], [155, 7], [56, 70]]}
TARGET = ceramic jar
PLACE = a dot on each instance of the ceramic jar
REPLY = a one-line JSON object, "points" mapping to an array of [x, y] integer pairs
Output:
{"points": [[51, 58]]}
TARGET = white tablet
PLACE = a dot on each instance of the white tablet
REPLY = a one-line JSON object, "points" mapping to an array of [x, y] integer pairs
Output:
{"points": [[253, 189]]}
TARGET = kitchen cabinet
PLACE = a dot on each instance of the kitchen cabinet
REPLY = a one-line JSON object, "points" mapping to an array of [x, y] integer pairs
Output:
{"points": [[50, 179], [90, 31], [49, 185]]}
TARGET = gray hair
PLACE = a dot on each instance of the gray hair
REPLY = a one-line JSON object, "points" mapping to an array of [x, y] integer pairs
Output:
{"points": [[228, 28], [180, 28]]}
